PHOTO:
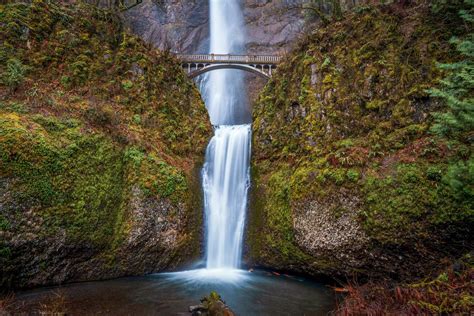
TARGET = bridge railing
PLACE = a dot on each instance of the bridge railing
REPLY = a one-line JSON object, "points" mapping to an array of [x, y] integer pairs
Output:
{"points": [[230, 58]]}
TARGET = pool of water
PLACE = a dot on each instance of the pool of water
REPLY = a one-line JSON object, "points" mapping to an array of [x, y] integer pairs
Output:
{"points": [[246, 293]]}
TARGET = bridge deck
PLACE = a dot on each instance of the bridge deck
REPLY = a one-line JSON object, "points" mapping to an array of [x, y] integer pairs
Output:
{"points": [[229, 58]]}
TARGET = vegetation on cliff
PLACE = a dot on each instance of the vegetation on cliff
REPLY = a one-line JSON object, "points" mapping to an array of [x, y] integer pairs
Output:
{"points": [[351, 123], [93, 124], [449, 293]]}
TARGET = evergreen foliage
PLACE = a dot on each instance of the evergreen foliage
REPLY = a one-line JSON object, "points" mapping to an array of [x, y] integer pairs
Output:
{"points": [[14, 74], [457, 89], [457, 92]]}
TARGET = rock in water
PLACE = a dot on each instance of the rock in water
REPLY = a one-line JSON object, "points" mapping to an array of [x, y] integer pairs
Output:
{"points": [[197, 309], [211, 305]]}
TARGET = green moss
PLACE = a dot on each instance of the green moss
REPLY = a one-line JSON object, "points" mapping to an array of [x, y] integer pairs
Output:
{"points": [[353, 175], [75, 178], [274, 212], [409, 203], [278, 214], [359, 126], [164, 180], [4, 223], [91, 52], [105, 116]]}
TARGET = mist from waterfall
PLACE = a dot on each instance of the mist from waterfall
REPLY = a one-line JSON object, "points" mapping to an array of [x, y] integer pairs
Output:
{"points": [[226, 168]]}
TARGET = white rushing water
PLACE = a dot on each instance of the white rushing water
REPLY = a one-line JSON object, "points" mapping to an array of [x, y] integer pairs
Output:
{"points": [[226, 169], [225, 182], [224, 90]]}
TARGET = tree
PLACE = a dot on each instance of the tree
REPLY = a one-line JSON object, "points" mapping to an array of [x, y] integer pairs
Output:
{"points": [[14, 74], [457, 91], [457, 88]]}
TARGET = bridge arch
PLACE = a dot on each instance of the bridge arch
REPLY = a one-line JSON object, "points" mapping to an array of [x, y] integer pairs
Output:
{"points": [[198, 64], [244, 67]]}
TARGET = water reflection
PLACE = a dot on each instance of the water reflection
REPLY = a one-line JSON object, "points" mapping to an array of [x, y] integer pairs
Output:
{"points": [[257, 293]]}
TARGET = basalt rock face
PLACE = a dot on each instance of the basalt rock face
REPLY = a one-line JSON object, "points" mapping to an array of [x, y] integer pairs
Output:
{"points": [[181, 26], [319, 233], [184, 26], [347, 179], [155, 240], [271, 27], [100, 140]]}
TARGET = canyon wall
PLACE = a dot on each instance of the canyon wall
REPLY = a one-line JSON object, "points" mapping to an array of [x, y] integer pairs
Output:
{"points": [[101, 142], [347, 176], [184, 26], [271, 26]]}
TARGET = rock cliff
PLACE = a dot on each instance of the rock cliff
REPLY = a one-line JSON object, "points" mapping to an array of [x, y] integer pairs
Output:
{"points": [[100, 140], [184, 26], [181, 26], [347, 178], [271, 27]]}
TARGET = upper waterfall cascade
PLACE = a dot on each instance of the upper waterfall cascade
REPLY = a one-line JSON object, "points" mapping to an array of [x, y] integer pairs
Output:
{"points": [[226, 169]]}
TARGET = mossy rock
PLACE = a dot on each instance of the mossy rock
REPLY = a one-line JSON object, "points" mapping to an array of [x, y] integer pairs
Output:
{"points": [[97, 130], [347, 118]]}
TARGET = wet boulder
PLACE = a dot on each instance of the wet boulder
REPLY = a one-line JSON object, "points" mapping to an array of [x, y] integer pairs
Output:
{"points": [[211, 305]]}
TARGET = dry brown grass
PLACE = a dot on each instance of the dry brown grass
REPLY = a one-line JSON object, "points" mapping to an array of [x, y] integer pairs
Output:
{"points": [[54, 305], [6, 302], [451, 293]]}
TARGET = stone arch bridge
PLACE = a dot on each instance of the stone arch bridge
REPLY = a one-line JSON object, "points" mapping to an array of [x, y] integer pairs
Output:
{"points": [[198, 64]]}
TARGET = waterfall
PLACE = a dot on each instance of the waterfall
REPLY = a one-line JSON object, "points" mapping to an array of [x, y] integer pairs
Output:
{"points": [[225, 181], [226, 168]]}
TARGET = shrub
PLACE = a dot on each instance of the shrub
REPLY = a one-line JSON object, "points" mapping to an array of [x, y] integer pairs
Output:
{"points": [[460, 178], [353, 175], [14, 74], [66, 81], [127, 84], [134, 155]]}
